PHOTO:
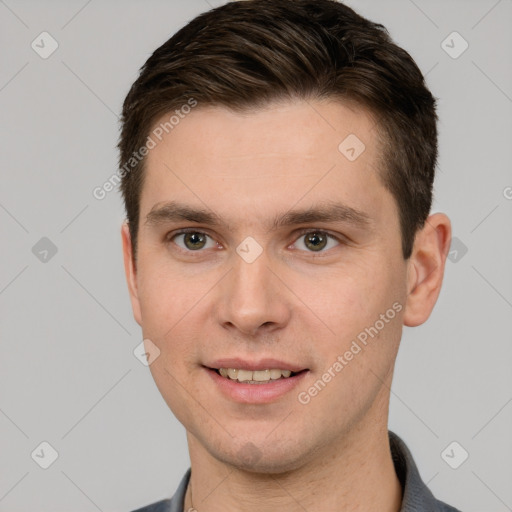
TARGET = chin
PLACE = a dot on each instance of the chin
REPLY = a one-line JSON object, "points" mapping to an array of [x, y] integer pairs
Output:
{"points": [[265, 457]]}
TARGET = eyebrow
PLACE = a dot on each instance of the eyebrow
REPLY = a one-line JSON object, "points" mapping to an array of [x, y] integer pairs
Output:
{"points": [[174, 211]]}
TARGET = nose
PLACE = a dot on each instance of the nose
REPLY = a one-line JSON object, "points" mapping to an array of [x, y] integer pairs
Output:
{"points": [[252, 297]]}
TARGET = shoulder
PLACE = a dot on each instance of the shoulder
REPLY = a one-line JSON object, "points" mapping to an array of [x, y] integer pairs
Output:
{"points": [[443, 507], [158, 506], [417, 496], [175, 504]]}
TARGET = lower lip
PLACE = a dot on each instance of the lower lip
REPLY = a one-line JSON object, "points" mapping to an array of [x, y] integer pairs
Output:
{"points": [[255, 393]]}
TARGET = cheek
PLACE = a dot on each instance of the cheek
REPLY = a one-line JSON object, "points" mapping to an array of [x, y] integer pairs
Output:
{"points": [[166, 294], [360, 305], [351, 297], [166, 303]]}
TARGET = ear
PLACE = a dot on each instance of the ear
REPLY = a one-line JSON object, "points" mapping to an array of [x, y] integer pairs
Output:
{"points": [[426, 268], [130, 272]]}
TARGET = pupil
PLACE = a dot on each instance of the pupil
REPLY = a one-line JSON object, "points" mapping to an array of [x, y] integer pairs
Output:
{"points": [[317, 240], [194, 238]]}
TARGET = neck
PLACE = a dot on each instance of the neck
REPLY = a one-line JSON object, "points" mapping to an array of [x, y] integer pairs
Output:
{"points": [[355, 476]]}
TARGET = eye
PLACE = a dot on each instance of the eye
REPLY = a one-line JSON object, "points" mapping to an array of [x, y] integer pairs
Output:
{"points": [[316, 240], [192, 240], [312, 240]]}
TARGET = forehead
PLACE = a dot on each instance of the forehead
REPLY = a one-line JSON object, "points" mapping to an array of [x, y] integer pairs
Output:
{"points": [[288, 128], [266, 160]]}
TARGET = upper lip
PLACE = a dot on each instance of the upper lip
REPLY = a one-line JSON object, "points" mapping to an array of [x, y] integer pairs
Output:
{"points": [[260, 364]]}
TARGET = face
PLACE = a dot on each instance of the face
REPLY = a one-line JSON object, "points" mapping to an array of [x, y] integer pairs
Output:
{"points": [[291, 260]]}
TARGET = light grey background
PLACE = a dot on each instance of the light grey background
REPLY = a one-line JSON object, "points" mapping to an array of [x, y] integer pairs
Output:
{"points": [[68, 375]]}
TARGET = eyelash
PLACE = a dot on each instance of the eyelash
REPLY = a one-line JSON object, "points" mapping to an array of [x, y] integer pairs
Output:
{"points": [[301, 233]]}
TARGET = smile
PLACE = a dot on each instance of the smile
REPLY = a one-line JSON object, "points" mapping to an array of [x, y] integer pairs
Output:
{"points": [[261, 386], [255, 377]]}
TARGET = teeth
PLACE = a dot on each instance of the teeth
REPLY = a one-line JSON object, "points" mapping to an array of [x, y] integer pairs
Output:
{"points": [[261, 375], [244, 375], [254, 376], [275, 374]]}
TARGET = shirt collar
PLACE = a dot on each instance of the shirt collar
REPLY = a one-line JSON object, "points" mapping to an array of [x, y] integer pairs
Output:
{"points": [[416, 496]]}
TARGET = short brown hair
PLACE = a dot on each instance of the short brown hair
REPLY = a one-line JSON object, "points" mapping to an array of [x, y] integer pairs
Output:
{"points": [[245, 55]]}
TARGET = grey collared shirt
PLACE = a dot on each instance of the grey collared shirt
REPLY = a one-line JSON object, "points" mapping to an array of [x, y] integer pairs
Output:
{"points": [[416, 495]]}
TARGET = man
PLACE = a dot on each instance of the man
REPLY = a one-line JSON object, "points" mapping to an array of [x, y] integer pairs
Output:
{"points": [[278, 158]]}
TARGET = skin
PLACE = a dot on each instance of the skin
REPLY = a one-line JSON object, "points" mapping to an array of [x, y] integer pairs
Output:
{"points": [[291, 303]]}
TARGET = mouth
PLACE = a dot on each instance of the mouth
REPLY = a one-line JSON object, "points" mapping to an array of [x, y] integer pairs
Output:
{"points": [[263, 382], [265, 376]]}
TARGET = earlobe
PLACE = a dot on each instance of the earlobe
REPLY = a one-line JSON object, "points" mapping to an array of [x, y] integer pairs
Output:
{"points": [[130, 272], [426, 268]]}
